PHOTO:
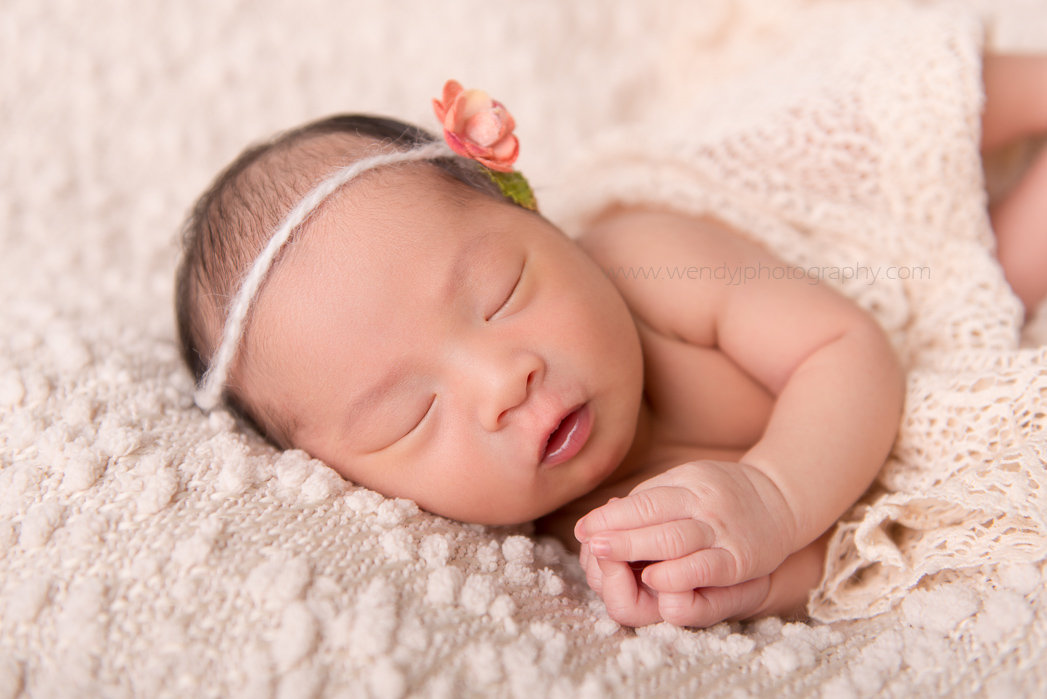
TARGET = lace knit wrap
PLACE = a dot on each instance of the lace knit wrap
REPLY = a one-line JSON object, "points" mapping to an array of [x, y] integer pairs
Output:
{"points": [[866, 172]]}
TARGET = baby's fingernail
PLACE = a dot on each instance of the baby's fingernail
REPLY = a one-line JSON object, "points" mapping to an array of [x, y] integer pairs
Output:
{"points": [[580, 533], [601, 548]]}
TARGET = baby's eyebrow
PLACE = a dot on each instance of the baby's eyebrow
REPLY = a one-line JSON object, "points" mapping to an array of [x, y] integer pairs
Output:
{"points": [[465, 258], [372, 394]]}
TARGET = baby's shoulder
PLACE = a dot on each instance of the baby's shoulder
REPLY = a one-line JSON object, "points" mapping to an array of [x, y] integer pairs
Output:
{"points": [[672, 269], [674, 246]]}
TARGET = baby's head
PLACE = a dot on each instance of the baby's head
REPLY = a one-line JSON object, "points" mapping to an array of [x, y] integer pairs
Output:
{"points": [[418, 332]]}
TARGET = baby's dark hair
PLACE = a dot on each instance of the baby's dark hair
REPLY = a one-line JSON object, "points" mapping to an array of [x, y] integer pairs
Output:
{"points": [[234, 218]]}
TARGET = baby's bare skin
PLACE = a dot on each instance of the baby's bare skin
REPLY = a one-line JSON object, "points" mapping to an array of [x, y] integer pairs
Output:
{"points": [[426, 341], [1016, 109], [716, 493]]}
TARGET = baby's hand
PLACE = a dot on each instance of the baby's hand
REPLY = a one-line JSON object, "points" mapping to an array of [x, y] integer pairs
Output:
{"points": [[714, 531]]}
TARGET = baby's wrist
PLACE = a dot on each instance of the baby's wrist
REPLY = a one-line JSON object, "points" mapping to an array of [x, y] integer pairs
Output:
{"points": [[784, 519]]}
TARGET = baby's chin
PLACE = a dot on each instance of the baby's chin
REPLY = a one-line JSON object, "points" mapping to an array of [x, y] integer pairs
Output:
{"points": [[492, 514]]}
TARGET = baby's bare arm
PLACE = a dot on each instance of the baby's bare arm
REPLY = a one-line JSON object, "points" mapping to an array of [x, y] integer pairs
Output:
{"points": [[832, 427], [837, 383], [839, 393]]}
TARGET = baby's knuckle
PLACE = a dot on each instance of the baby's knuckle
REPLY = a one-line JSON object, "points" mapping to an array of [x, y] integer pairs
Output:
{"points": [[699, 572], [743, 562], [621, 546], [675, 615], [679, 611], [620, 613], [645, 505], [593, 577], [596, 521], [671, 542], [594, 581]]}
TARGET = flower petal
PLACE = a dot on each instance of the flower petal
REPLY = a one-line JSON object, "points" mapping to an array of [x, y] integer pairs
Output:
{"points": [[495, 165], [474, 102], [456, 144], [508, 123], [452, 88], [439, 110], [507, 149], [484, 128]]}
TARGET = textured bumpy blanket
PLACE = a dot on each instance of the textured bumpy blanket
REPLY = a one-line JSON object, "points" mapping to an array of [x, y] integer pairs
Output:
{"points": [[149, 550]]}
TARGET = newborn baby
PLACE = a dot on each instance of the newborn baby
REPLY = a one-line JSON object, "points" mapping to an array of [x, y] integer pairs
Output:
{"points": [[395, 307]]}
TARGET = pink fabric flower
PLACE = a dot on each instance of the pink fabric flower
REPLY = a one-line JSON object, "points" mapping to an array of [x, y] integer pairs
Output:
{"points": [[477, 126]]}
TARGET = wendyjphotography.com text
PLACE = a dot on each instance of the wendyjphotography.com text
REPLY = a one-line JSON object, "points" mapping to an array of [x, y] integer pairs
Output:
{"points": [[735, 275]]}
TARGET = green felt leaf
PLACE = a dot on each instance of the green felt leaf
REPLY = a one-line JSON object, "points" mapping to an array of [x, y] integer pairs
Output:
{"points": [[515, 187]]}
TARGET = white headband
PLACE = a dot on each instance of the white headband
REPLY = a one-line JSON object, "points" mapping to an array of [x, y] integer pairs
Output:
{"points": [[209, 393]]}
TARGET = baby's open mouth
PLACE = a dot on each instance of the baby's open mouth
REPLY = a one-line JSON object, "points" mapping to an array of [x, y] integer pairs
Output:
{"points": [[568, 438]]}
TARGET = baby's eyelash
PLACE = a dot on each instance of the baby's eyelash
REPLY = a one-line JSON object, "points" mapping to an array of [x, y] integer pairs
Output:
{"points": [[512, 292], [428, 409]]}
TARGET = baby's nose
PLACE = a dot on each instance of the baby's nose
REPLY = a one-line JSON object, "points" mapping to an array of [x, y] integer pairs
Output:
{"points": [[503, 384]]}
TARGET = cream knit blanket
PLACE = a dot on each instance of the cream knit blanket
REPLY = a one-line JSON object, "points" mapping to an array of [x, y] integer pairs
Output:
{"points": [[147, 550]]}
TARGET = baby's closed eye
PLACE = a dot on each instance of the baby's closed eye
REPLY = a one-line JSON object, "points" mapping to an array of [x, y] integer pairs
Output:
{"points": [[394, 421], [418, 423], [507, 299]]}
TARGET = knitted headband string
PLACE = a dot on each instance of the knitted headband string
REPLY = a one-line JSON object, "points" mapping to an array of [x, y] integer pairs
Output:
{"points": [[209, 393]]}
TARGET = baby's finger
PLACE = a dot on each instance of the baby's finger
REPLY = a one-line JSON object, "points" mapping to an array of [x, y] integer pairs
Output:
{"points": [[647, 507], [593, 576], [712, 567], [627, 602], [712, 605], [655, 543]]}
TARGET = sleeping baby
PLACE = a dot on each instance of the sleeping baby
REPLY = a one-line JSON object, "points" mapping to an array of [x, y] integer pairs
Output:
{"points": [[394, 305]]}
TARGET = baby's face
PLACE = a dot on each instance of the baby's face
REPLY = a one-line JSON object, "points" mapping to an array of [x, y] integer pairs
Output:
{"points": [[431, 343]]}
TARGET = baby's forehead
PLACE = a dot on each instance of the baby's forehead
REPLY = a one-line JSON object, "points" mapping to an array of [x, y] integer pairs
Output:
{"points": [[414, 204], [414, 214]]}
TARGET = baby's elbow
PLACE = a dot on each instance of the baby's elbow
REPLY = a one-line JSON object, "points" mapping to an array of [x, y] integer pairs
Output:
{"points": [[881, 344], [881, 361]]}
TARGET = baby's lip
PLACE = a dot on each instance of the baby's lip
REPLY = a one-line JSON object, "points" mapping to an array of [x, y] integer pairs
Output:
{"points": [[565, 437]]}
